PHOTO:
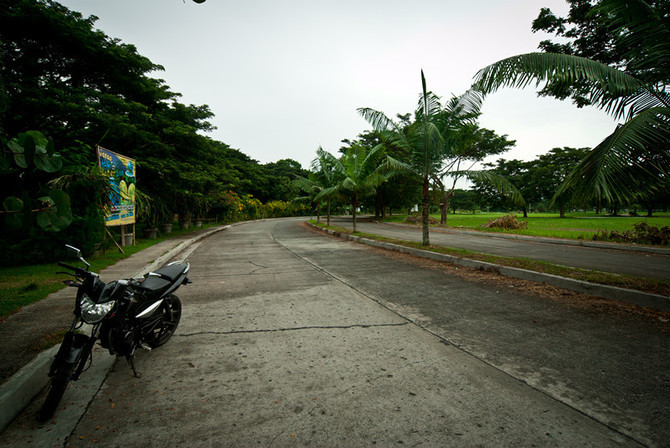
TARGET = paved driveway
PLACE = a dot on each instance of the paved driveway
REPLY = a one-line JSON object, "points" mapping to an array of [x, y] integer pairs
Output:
{"points": [[292, 338]]}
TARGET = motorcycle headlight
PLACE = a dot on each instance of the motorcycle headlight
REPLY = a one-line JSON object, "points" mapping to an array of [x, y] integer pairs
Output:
{"points": [[92, 312]]}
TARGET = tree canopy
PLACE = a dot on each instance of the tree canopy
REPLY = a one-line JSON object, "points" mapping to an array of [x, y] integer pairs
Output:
{"points": [[633, 162], [80, 88]]}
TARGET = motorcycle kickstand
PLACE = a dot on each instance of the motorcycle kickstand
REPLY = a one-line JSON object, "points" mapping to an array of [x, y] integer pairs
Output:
{"points": [[131, 361]]}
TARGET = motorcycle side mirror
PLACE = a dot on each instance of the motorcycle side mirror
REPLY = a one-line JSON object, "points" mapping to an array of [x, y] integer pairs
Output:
{"points": [[77, 253]]}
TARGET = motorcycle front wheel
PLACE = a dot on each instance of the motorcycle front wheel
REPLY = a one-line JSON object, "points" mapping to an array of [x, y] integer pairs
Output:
{"points": [[59, 382], [171, 314]]}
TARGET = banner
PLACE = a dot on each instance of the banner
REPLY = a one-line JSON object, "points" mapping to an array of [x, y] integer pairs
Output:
{"points": [[121, 173]]}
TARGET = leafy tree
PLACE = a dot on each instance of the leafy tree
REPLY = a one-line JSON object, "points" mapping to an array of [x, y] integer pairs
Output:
{"points": [[464, 200], [279, 178], [537, 179], [80, 87], [469, 144], [634, 160], [515, 171]]}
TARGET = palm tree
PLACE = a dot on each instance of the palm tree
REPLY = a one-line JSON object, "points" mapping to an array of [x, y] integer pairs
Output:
{"points": [[325, 175], [432, 138], [312, 188], [360, 171], [633, 162]]}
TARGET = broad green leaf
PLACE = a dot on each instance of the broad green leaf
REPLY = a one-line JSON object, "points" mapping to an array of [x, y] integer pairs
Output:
{"points": [[48, 162], [59, 214], [12, 204]]}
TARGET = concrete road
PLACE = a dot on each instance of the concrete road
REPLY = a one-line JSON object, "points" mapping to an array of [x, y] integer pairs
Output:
{"points": [[641, 264], [292, 338]]}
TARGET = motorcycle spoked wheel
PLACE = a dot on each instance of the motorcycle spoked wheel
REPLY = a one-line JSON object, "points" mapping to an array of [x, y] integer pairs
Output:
{"points": [[57, 387], [163, 331]]}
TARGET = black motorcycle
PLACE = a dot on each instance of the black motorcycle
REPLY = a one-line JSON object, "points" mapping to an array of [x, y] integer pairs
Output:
{"points": [[124, 315]]}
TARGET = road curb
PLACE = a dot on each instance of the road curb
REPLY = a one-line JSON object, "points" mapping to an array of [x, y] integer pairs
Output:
{"points": [[655, 301], [18, 391], [178, 249]]}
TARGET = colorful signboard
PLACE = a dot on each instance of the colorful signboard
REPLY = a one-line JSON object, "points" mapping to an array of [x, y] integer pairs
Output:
{"points": [[121, 173]]}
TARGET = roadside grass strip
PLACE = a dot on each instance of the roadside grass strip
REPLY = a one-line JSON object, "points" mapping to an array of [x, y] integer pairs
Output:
{"points": [[643, 284]]}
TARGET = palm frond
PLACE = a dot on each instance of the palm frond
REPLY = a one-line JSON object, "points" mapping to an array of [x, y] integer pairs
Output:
{"points": [[627, 164], [611, 89], [378, 120], [500, 183]]}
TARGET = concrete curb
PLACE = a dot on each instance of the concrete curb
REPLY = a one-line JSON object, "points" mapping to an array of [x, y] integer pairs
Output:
{"points": [[175, 251], [17, 392], [655, 301]]}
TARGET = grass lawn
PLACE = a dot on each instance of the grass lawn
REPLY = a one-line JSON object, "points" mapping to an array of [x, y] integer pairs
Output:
{"points": [[23, 285], [574, 226]]}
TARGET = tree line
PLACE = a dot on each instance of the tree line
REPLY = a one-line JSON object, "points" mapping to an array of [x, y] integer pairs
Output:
{"points": [[66, 87]]}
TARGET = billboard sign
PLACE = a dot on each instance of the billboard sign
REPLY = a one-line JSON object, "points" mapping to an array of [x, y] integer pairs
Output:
{"points": [[120, 171]]}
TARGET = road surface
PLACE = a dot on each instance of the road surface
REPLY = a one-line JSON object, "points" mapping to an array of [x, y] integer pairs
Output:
{"points": [[292, 338]]}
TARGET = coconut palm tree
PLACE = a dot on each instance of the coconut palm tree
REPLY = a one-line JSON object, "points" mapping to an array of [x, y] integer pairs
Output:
{"points": [[360, 171], [634, 161], [325, 175], [432, 139]]}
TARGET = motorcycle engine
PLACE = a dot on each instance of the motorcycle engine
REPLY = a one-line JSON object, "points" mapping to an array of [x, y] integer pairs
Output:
{"points": [[118, 337]]}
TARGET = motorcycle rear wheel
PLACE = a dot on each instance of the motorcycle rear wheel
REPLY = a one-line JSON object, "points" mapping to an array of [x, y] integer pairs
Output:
{"points": [[57, 387], [168, 324]]}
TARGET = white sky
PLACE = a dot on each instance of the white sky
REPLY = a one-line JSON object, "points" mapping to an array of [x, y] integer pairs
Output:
{"points": [[285, 77]]}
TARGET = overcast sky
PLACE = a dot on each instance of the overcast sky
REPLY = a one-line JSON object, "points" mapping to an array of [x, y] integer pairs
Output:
{"points": [[285, 77]]}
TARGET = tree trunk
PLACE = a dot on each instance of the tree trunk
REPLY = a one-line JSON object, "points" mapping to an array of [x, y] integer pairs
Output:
{"points": [[443, 210], [446, 201], [354, 204], [328, 215], [525, 212], [425, 212], [562, 212]]}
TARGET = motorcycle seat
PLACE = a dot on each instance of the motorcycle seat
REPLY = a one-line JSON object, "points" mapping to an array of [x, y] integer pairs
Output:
{"points": [[162, 278]]}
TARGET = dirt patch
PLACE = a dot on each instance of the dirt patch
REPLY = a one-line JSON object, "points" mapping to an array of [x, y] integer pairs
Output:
{"points": [[659, 319]]}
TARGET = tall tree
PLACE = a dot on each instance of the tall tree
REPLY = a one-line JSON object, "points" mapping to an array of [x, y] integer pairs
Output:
{"points": [[421, 141], [467, 144], [632, 162], [437, 141], [326, 176]]}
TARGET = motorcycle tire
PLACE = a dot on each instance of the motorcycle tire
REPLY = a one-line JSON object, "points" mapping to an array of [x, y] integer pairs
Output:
{"points": [[169, 322], [57, 387]]}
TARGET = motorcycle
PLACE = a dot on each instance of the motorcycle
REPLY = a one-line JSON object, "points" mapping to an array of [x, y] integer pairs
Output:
{"points": [[124, 315]]}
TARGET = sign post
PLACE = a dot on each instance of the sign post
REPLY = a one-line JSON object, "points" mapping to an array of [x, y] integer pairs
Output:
{"points": [[120, 170]]}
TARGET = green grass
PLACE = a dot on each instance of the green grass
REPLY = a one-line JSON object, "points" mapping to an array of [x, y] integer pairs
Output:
{"points": [[573, 226], [622, 281], [23, 285]]}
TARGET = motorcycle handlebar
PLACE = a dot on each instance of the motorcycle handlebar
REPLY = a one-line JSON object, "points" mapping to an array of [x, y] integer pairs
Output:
{"points": [[67, 266], [78, 271]]}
